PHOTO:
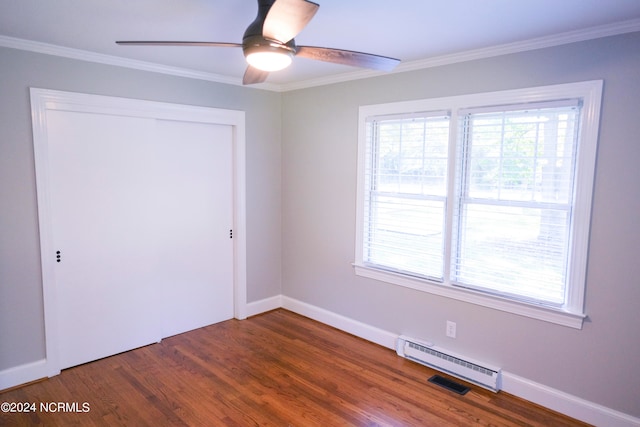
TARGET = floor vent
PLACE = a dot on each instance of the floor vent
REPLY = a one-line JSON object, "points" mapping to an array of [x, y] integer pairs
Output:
{"points": [[449, 385], [443, 360]]}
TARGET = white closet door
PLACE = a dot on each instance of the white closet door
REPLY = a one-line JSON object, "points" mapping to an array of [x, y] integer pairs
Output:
{"points": [[194, 217], [141, 215], [100, 211]]}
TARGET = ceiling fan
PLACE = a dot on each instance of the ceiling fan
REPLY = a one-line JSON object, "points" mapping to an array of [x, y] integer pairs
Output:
{"points": [[268, 43]]}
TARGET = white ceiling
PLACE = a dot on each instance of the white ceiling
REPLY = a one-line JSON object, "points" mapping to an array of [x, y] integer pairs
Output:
{"points": [[414, 31]]}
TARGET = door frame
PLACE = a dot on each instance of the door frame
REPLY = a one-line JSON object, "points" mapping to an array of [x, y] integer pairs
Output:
{"points": [[44, 100]]}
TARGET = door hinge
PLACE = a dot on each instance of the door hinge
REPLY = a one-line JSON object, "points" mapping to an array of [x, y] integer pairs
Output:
{"points": [[231, 234], [58, 256]]}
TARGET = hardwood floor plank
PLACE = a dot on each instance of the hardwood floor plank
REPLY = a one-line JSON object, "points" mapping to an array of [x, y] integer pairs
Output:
{"points": [[275, 369]]}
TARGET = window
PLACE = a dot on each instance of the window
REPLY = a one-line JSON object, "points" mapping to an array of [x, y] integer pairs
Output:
{"points": [[407, 192], [484, 198]]}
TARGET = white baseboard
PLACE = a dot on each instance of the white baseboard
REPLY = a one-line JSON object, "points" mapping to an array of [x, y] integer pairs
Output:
{"points": [[23, 374], [264, 305], [540, 394], [565, 403], [359, 329]]}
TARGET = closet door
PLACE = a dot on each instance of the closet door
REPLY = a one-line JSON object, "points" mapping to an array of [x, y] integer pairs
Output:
{"points": [[193, 219], [141, 213], [100, 210]]}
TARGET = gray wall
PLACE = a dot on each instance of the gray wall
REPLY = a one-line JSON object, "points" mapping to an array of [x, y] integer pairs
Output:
{"points": [[598, 363], [21, 304]]}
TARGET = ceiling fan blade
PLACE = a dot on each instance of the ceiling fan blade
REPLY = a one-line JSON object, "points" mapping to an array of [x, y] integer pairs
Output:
{"points": [[348, 57], [253, 75], [287, 18], [176, 43]]}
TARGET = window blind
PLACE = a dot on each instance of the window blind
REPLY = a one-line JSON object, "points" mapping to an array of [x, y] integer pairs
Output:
{"points": [[514, 199], [405, 197], [499, 214]]}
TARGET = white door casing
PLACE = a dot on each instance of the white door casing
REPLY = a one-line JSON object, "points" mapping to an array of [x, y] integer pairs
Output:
{"points": [[136, 119]]}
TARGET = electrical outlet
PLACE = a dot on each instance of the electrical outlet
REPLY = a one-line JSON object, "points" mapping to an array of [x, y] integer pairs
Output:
{"points": [[451, 329]]}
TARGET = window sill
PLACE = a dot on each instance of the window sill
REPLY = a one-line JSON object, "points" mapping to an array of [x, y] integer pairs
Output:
{"points": [[559, 317]]}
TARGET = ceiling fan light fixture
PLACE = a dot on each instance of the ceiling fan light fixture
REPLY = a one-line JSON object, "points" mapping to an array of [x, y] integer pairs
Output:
{"points": [[269, 60]]}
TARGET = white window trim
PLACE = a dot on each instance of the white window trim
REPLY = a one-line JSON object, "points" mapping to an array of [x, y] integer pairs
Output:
{"points": [[572, 315]]}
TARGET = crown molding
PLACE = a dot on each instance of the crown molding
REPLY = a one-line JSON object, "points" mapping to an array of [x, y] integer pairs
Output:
{"points": [[482, 53], [488, 52], [84, 55]]}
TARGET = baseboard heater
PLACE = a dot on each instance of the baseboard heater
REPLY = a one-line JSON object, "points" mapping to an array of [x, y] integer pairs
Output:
{"points": [[446, 361]]}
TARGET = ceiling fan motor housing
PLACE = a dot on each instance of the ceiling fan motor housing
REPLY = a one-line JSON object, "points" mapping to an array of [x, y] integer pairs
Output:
{"points": [[258, 43], [253, 41], [255, 28]]}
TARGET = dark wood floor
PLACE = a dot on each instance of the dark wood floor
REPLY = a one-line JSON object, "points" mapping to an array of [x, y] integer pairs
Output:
{"points": [[275, 369]]}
